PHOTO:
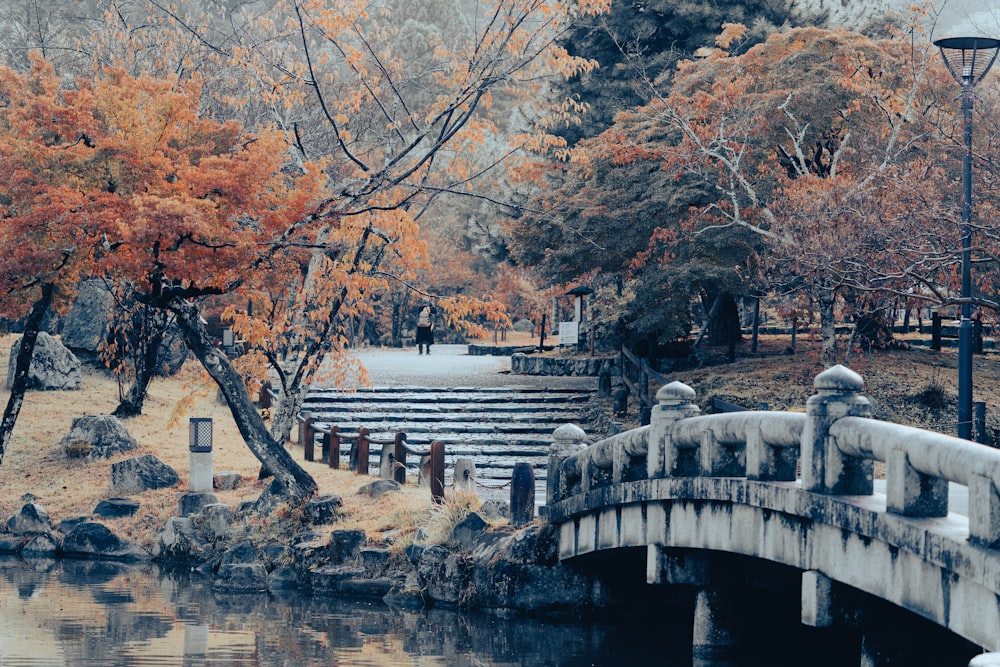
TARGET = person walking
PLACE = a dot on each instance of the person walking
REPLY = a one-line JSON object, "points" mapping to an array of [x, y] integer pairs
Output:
{"points": [[425, 329]]}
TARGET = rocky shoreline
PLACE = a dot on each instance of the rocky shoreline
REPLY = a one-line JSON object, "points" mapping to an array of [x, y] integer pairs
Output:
{"points": [[497, 569]]}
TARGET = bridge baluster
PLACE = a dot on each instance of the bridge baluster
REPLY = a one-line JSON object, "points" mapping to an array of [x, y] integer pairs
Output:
{"points": [[984, 513], [675, 401], [825, 469]]}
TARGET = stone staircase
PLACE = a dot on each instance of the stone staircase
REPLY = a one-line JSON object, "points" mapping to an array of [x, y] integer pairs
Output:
{"points": [[495, 427]]}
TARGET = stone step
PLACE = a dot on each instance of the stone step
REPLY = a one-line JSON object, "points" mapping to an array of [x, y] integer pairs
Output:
{"points": [[495, 427]]}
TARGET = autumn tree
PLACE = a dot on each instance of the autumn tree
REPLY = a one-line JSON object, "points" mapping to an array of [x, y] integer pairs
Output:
{"points": [[808, 141]]}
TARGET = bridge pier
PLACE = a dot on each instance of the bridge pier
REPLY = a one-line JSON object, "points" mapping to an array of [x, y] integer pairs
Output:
{"points": [[715, 620]]}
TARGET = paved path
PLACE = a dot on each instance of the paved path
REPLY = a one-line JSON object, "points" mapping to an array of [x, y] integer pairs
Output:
{"points": [[453, 366]]}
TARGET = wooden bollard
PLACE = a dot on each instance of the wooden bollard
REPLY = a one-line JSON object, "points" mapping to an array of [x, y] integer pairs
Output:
{"points": [[437, 471], [363, 451], [308, 437], [399, 450], [522, 494], [333, 447]]}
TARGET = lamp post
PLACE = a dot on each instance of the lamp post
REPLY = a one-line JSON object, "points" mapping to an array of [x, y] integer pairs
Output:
{"points": [[968, 59]]}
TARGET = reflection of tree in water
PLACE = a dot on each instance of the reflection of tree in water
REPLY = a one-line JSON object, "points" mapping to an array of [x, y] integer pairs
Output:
{"points": [[99, 613]]}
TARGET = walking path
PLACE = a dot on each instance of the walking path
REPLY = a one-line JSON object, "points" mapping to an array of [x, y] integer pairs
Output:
{"points": [[453, 366]]}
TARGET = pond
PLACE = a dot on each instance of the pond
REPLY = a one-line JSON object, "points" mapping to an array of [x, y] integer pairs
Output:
{"points": [[89, 613]]}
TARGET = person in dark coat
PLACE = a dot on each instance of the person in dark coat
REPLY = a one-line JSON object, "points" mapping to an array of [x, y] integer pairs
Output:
{"points": [[425, 329]]}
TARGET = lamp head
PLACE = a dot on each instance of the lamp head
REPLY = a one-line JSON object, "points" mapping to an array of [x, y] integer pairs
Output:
{"points": [[968, 58]]}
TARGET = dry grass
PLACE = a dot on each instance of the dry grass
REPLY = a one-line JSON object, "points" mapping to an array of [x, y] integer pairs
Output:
{"points": [[70, 487]]}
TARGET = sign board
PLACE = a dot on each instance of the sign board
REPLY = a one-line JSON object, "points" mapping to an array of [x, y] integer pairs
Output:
{"points": [[569, 333]]}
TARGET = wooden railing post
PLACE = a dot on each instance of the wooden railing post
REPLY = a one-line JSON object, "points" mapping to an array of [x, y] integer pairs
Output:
{"points": [[333, 447], [437, 471], [399, 473], [363, 447], [522, 494], [307, 436]]}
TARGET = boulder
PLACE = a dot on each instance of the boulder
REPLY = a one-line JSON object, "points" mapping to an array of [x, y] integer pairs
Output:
{"points": [[523, 572], [192, 503], [467, 531], [179, 542], [215, 521], [227, 480], [115, 508], [89, 319], [97, 437], [31, 519], [344, 545], [95, 540], [524, 326], [379, 487], [322, 509], [53, 367], [241, 570], [40, 546], [141, 473]]}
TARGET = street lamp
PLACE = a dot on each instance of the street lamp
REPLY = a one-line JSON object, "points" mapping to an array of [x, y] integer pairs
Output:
{"points": [[968, 59]]}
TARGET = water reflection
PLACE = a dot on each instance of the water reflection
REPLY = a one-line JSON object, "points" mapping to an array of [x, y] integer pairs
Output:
{"points": [[91, 613]]}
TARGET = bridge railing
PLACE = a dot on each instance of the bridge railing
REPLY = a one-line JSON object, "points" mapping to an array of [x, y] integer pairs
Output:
{"points": [[834, 444]]}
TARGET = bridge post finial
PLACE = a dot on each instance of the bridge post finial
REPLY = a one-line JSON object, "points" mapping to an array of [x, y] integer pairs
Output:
{"points": [[675, 401], [824, 468], [567, 440]]}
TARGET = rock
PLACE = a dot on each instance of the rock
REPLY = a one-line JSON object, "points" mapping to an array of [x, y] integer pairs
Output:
{"points": [[141, 473], [97, 437], [53, 366], [284, 578], [66, 525], [114, 508], [192, 503], [241, 578], [375, 561], [523, 572], [524, 326], [344, 545], [379, 487], [226, 480], [468, 530], [215, 521], [241, 570], [495, 509], [446, 576], [29, 520], [322, 509], [89, 319], [178, 542], [10, 544], [96, 540], [41, 546]]}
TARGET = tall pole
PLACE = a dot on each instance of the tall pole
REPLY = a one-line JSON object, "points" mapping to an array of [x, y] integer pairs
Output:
{"points": [[968, 60], [965, 325]]}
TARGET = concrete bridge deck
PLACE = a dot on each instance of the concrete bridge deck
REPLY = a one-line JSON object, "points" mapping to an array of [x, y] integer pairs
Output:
{"points": [[796, 489]]}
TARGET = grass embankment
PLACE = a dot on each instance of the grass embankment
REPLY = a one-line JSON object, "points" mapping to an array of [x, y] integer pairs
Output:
{"points": [[69, 487], [916, 387]]}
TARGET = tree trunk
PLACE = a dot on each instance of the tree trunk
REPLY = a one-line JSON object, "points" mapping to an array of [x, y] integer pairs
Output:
{"points": [[145, 367], [20, 383], [295, 481], [284, 418], [828, 326]]}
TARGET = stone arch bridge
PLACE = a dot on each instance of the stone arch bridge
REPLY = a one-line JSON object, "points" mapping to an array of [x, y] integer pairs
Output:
{"points": [[795, 489]]}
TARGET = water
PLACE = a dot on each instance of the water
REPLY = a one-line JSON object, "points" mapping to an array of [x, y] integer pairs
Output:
{"points": [[89, 613]]}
